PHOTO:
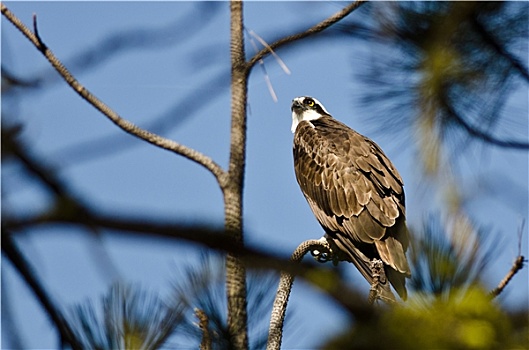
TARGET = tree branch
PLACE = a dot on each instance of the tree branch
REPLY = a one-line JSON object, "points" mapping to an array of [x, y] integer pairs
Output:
{"points": [[516, 266], [11, 251], [124, 124], [286, 280], [502, 51], [311, 31], [233, 193]]}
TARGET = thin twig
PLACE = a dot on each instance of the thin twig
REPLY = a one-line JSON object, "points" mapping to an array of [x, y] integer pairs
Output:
{"points": [[265, 44], [265, 73], [124, 124], [516, 266], [313, 30]]}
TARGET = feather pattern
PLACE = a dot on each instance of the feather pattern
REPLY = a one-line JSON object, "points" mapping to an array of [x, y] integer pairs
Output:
{"points": [[356, 195]]}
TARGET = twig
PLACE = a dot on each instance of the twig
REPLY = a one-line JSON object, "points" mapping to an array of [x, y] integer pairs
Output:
{"points": [[265, 44], [516, 266], [286, 280], [124, 124], [313, 30], [11, 251], [265, 73]]}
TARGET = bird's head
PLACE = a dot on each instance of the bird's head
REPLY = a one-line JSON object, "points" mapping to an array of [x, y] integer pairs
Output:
{"points": [[306, 108]]}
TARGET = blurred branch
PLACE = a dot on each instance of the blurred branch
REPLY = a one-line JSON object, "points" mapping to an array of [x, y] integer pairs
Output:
{"points": [[491, 40], [313, 30], [212, 238], [69, 210], [482, 135], [10, 80], [116, 142], [124, 124], [161, 36], [46, 175], [11, 251]]}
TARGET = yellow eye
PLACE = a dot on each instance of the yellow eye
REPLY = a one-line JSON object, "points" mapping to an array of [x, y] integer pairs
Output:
{"points": [[309, 102]]}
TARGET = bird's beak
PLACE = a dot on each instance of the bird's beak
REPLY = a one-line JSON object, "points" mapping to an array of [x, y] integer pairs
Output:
{"points": [[295, 105]]}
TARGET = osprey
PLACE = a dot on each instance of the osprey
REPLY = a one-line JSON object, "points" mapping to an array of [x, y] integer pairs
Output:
{"points": [[354, 191]]}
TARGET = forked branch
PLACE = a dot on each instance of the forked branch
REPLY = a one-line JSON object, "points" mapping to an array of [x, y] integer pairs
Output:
{"points": [[124, 124], [311, 31]]}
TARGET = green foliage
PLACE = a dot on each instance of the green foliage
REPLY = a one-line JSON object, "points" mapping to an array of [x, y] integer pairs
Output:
{"points": [[468, 319]]}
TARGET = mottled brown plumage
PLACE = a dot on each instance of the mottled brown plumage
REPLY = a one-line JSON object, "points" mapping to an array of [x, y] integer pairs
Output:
{"points": [[354, 191]]}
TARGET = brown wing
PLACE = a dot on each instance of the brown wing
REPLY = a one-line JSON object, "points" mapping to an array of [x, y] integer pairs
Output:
{"points": [[355, 193]]}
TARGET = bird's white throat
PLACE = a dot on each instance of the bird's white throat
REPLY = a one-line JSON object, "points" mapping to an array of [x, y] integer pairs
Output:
{"points": [[305, 115]]}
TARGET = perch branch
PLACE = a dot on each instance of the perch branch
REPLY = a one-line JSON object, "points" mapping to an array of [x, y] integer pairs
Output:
{"points": [[122, 123], [313, 30], [286, 281]]}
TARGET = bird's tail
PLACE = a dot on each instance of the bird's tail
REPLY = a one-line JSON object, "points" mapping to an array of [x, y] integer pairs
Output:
{"points": [[347, 252]]}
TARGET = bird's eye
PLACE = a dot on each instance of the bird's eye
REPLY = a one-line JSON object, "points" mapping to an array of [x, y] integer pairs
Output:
{"points": [[309, 102]]}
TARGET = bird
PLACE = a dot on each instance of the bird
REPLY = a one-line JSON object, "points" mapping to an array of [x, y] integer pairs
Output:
{"points": [[355, 193]]}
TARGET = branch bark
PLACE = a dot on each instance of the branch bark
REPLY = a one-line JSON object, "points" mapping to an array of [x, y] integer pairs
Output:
{"points": [[233, 191], [286, 280], [122, 123], [516, 266]]}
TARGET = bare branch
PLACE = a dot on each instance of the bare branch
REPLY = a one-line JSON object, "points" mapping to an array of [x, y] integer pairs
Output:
{"points": [[10, 249], [124, 124], [233, 215], [286, 280], [516, 266], [311, 31]]}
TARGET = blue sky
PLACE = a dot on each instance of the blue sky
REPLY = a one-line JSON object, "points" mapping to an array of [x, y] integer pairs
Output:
{"points": [[147, 83]]}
